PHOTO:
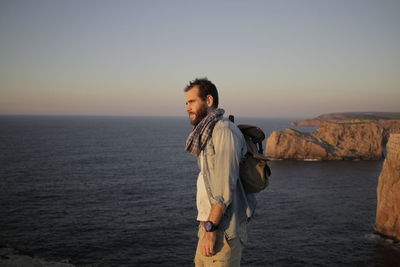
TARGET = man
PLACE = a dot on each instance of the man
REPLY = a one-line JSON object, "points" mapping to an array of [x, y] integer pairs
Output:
{"points": [[223, 207]]}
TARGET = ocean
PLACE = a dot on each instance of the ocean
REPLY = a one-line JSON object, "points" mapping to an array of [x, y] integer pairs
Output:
{"points": [[120, 191]]}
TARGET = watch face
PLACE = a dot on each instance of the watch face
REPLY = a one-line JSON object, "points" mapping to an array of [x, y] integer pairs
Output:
{"points": [[208, 226]]}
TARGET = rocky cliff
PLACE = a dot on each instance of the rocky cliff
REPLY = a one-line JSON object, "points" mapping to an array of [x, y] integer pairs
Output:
{"points": [[331, 141], [390, 127], [387, 220], [292, 144]]}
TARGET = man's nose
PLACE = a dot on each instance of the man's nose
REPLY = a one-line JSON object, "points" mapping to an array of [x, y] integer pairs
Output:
{"points": [[188, 108]]}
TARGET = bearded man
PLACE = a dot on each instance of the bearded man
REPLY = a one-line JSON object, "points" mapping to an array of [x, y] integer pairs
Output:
{"points": [[222, 204]]}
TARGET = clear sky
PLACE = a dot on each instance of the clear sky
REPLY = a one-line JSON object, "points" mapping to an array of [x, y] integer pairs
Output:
{"points": [[268, 58]]}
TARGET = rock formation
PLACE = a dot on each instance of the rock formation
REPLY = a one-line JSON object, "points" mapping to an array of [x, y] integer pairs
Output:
{"points": [[353, 140], [292, 144], [331, 141], [390, 127], [387, 220]]}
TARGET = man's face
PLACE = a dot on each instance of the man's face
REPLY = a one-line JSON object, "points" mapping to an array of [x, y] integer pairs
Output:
{"points": [[196, 108]]}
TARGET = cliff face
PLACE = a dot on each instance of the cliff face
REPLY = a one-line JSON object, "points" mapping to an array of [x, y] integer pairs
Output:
{"points": [[331, 141], [353, 140], [387, 220], [292, 144], [390, 126]]}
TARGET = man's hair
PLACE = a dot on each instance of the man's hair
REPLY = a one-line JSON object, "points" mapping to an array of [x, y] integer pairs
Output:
{"points": [[206, 87]]}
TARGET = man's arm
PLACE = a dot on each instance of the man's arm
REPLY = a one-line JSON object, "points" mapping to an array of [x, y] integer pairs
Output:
{"points": [[208, 241]]}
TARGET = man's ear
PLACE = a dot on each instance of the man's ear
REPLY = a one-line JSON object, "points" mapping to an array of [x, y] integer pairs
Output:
{"points": [[210, 100]]}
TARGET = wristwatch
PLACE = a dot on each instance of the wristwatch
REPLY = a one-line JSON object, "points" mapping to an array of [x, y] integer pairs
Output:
{"points": [[210, 227]]}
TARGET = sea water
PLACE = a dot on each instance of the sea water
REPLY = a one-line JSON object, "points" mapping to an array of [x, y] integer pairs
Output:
{"points": [[120, 191]]}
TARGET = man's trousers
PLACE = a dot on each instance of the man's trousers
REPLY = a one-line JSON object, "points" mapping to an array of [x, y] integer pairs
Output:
{"points": [[228, 253]]}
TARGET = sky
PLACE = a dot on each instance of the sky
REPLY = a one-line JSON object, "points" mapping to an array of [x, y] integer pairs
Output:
{"points": [[293, 59]]}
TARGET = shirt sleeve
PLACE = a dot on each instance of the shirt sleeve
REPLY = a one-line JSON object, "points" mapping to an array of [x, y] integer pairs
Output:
{"points": [[226, 166]]}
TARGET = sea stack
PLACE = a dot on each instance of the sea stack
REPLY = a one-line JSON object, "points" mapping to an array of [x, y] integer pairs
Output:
{"points": [[387, 221]]}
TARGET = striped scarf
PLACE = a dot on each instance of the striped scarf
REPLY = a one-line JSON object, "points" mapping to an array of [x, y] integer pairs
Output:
{"points": [[202, 132]]}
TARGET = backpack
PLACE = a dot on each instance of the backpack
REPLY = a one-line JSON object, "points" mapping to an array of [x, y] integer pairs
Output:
{"points": [[253, 170]]}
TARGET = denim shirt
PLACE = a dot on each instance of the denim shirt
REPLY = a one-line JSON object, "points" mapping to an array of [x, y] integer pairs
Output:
{"points": [[222, 156]]}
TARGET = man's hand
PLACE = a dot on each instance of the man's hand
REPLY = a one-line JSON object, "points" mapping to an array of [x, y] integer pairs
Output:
{"points": [[207, 244]]}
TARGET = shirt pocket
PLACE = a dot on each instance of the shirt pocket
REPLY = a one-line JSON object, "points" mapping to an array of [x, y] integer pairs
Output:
{"points": [[209, 155]]}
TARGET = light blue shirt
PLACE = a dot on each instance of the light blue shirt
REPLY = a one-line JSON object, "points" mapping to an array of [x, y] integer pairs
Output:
{"points": [[222, 156]]}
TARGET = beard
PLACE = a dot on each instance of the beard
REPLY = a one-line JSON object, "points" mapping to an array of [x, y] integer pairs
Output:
{"points": [[200, 114]]}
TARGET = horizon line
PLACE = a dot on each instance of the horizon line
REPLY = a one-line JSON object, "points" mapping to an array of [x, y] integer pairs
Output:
{"points": [[124, 115]]}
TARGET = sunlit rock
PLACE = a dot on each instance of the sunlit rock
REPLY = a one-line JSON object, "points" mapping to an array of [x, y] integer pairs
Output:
{"points": [[387, 220], [331, 141]]}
